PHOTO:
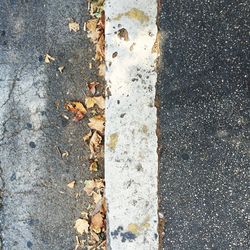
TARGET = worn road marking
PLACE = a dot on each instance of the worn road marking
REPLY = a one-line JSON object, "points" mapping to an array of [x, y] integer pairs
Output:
{"points": [[131, 160]]}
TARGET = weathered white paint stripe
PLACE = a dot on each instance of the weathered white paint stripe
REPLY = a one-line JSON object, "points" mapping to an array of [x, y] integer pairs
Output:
{"points": [[131, 161]]}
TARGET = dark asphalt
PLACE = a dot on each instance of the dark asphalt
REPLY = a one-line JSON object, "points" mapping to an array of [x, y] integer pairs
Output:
{"points": [[204, 124]]}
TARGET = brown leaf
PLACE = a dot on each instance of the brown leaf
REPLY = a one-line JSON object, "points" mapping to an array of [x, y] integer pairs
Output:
{"points": [[99, 183], [77, 108], [82, 226], [93, 167], [97, 197], [95, 144], [97, 123], [74, 26], [100, 49], [97, 223], [91, 25], [87, 136]]}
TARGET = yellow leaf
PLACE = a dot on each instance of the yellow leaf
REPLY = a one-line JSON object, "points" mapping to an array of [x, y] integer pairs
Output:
{"points": [[71, 184], [48, 58], [82, 226], [89, 102], [74, 26]]}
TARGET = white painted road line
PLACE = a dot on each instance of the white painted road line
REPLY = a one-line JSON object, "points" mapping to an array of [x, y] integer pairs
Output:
{"points": [[131, 160]]}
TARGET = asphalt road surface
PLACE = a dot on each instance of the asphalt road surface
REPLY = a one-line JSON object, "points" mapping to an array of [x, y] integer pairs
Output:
{"points": [[204, 124], [38, 209]]}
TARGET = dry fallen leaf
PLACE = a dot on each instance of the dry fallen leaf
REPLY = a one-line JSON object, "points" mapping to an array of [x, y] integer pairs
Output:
{"points": [[95, 145], [87, 136], [74, 26], [99, 183], [97, 123], [91, 25], [89, 102], [71, 184], [77, 108], [48, 58], [97, 197], [97, 223], [61, 68], [100, 49], [89, 187], [98, 100], [93, 167], [82, 226]]}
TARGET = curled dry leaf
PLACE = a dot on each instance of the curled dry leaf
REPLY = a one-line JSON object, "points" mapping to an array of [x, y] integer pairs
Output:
{"points": [[74, 26], [93, 167], [97, 223], [97, 123], [48, 58], [77, 108], [87, 136], [82, 226], [95, 145]]}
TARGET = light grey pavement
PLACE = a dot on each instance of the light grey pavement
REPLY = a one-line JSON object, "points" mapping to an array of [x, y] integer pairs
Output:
{"points": [[204, 124], [38, 210]]}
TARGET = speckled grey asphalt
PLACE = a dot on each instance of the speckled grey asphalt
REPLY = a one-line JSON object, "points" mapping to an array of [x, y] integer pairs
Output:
{"points": [[204, 124], [38, 210]]}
